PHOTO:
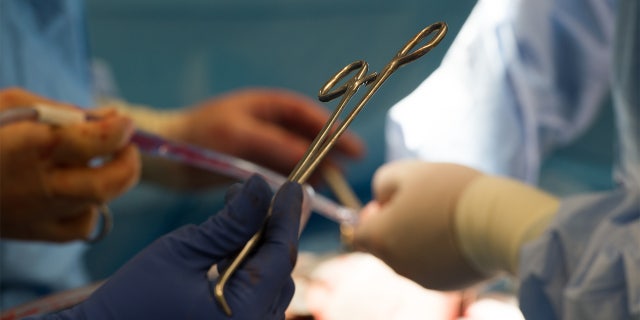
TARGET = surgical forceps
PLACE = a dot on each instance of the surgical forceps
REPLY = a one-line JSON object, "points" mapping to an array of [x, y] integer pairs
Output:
{"points": [[331, 131]]}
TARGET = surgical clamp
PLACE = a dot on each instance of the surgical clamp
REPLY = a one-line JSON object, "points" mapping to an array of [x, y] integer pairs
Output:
{"points": [[330, 133]]}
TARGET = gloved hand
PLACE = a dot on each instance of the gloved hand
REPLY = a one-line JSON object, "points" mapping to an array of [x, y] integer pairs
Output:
{"points": [[409, 225], [168, 279], [48, 190], [447, 226]]}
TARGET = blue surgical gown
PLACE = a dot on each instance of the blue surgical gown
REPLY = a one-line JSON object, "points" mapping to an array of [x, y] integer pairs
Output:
{"points": [[43, 48], [522, 79]]}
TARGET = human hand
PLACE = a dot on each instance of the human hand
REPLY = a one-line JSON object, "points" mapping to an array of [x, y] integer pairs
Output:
{"points": [[48, 189], [168, 279], [448, 226], [269, 127], [410, 224]]}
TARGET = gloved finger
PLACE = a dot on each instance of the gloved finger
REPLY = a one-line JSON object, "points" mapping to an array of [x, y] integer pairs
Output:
{"points": [[98, 184], [277, 254], [226, 232], [388, 178], [380, 227], [282, 300], [369, 234], [364, 235], [222, 264], [232, 192], [81, 142]]}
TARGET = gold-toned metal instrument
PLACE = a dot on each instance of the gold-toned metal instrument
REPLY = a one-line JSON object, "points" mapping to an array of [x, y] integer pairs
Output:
{"points": [[332, 130]]}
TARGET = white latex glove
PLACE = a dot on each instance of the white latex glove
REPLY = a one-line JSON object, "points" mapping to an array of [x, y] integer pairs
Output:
{"points": [[413, 224]]}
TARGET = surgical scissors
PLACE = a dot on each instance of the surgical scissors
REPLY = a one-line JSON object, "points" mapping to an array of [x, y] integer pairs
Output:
{"points": [[331, 131]]}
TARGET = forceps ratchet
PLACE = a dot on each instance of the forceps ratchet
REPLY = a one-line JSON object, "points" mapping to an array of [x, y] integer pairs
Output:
{"points": [[332, 130]]}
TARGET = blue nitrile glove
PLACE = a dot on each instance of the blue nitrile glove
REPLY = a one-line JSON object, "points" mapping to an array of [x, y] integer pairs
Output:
{"points": [[168, 279]]}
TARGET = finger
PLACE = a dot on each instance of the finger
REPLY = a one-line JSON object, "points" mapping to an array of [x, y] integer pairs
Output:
{"points": [[79, 143], [275, 258], [378, 228], [76, 227], [232, 192], [27, 137], [275, 147], [298, 111], [282, 300], [97, 184], [303, 116], [228, 231], [284, 224], [350, 144], [364, 233], [290, 148], [389, 178], [370, 210], [385, 181], [103, 112], [300, 122], [374, 232]]}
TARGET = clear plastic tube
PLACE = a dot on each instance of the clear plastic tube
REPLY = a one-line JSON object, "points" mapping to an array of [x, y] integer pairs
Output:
{"points": [[236, 168]]}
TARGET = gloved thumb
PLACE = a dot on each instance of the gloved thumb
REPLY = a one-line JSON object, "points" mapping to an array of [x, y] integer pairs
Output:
{"points": [[265, 276], [228, 231]]}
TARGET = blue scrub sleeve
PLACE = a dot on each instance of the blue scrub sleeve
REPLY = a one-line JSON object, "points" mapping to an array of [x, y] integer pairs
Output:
{"points": [[587, 265], [43, 49], [168, 280]]}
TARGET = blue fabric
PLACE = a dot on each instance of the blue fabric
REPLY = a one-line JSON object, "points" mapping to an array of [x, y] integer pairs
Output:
{"points": [[522, 79], [587, 266], [43, 49]]}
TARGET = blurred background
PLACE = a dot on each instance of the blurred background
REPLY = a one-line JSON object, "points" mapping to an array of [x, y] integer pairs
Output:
{"points": [[171, 54]]}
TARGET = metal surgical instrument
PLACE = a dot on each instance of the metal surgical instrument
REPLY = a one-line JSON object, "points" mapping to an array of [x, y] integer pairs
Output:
{"points": [[331, 131]]}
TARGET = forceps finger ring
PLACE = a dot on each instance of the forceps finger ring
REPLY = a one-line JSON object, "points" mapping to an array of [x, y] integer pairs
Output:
{"points": [[332, 130]]}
